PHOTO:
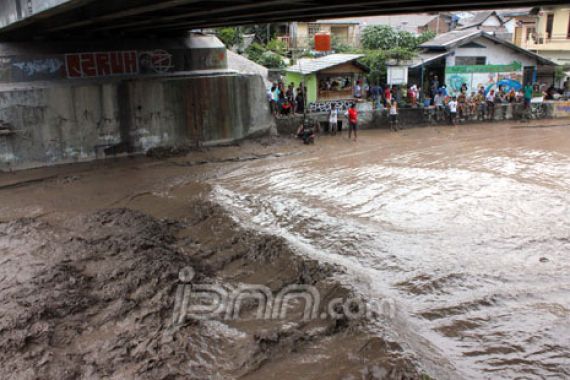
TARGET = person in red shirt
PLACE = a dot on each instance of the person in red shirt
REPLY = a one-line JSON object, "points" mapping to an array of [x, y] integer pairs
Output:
{"points": [[352, 121], [388, 96]]}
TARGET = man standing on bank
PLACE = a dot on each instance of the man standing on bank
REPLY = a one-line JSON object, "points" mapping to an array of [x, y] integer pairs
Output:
{"points": [[352, 121]]}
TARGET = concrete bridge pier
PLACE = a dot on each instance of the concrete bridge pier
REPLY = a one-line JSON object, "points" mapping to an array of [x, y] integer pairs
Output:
{"points": [[73, 102]]}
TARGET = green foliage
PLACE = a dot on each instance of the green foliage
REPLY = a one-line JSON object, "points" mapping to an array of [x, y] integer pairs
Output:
{"points": [[425, 37], [559, 73], [277, 46], [400, 54], [383, 43], [255, 51], [385, 38], [376, 61], [259, 54], [339, 46], [381, 37], [271, 60], [229, 36]]}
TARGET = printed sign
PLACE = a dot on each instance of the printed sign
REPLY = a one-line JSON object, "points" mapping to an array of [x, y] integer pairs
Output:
{"points": [[397, 75]]}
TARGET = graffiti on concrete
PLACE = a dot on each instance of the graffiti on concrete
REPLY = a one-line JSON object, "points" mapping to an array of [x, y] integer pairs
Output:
{"points": [[326, 106], [105, 64], [115, 63], [101, 64], [5, 69], [39, 66], [489, 81], [562, 109], [156, 61]]}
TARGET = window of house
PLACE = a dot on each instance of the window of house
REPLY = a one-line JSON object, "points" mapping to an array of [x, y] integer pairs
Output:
{"points": [[568, 33], [549, 26], [314, 29], [530, 33], [470, 61]]}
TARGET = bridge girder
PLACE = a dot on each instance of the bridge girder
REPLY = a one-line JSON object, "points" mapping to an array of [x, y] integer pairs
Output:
{"points": [[107, 18]]}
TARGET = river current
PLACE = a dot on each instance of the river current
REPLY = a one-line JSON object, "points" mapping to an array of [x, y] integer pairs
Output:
{"points": [[467, 229]]}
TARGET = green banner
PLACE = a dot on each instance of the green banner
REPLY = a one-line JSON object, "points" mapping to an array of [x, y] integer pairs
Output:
{"points": [[515, 66]]}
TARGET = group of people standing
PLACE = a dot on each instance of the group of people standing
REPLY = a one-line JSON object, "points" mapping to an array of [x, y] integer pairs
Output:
{"points": [[286, 101], [480, 105]]}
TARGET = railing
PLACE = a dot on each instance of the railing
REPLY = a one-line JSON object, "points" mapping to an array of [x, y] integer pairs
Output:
{"points": [[542, 39], [307, 41], [287, 40]]}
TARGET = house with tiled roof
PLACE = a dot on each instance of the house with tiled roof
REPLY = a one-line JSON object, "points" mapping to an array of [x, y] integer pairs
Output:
{"points": [[478, 58]]}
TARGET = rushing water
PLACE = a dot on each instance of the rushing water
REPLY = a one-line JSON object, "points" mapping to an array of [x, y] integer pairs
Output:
{"points": [[467, 229]]}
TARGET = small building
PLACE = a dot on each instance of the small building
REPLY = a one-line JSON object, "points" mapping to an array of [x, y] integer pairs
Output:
{"points": [[331, 78], [477, 58], [300, 35], [546, 31], [489, 21], [417, 23]]}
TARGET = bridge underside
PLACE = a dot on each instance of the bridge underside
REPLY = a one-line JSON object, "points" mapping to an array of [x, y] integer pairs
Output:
{"points": [[111, 18]]}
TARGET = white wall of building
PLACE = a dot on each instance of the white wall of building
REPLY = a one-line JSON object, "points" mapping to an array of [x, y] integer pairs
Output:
{"points": [[497, 54]]}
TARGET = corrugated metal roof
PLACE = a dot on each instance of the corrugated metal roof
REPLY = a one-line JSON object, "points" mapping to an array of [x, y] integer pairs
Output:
{"points": [[309, 66], [409, 23], [428, 57], [338, 22], [448, 39], [451, 40]]}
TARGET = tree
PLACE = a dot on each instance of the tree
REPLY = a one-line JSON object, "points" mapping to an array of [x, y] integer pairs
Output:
{"points": [[375, 60], [271, 60], [261, 55], [229, 36], [255, 51], [425, 37], [383, 43], [277, 46], [385, 37], [379, 37]]}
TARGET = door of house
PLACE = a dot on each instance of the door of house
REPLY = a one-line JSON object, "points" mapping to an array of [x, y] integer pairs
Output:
{"points": [[528, 75]]}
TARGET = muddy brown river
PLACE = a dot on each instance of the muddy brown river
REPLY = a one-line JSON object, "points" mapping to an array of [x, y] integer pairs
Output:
{"points": [[467, 230]]}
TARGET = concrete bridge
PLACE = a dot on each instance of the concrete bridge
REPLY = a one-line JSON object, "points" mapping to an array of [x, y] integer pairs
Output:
{"points": [[32, 19]]}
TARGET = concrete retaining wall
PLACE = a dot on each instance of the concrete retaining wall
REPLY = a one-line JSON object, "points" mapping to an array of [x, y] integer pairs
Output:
{"points": [[416, 117], [63, 123]]}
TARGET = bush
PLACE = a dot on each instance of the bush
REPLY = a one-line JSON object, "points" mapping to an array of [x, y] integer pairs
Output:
{"points": [[376, 60], [255, 51], [385, 37], [271, 60], [229, 36], [277, 46]]}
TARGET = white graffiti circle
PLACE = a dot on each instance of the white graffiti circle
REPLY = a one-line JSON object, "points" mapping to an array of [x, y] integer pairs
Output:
{"points": [[158, 61]]}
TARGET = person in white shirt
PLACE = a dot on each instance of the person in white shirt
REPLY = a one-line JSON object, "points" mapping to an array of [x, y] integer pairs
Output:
{"points": [[358, 91], [394, 116], [490, 101], [439, 106], [452, 110], [333, 120]]}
